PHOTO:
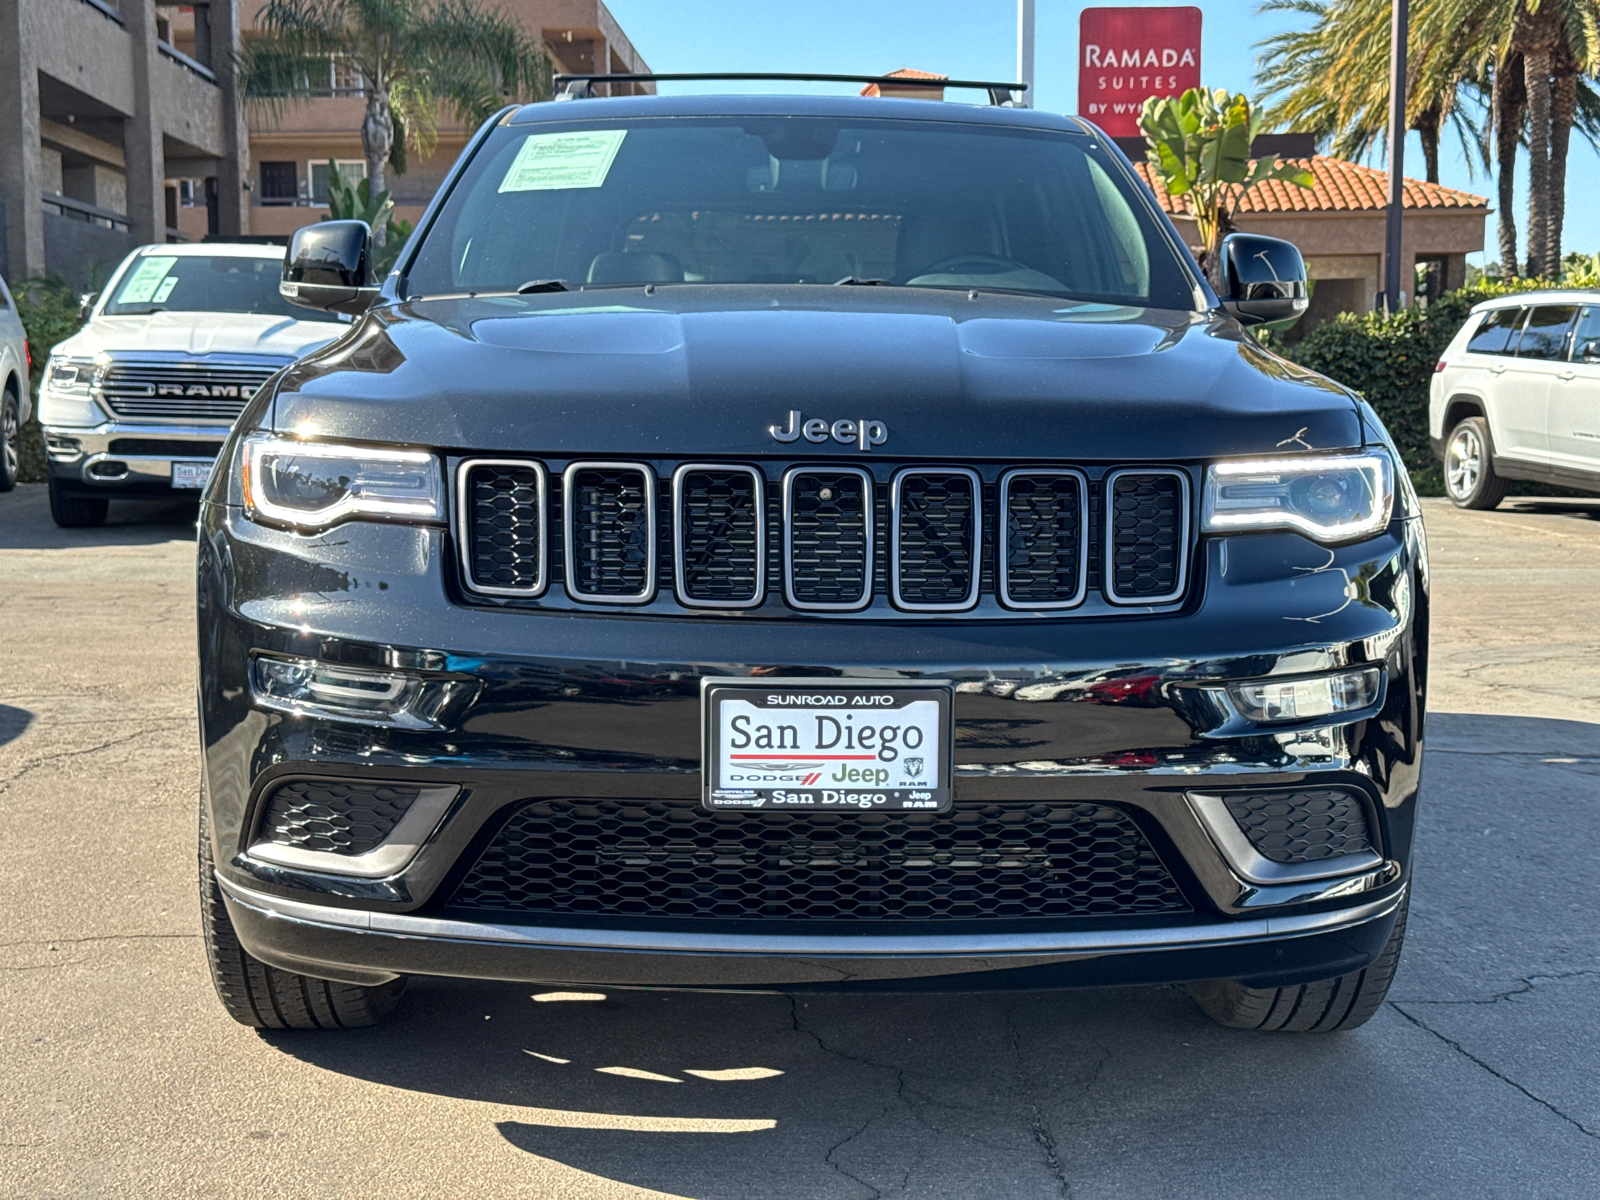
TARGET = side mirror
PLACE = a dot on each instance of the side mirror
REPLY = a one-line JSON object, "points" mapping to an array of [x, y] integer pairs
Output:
{"points": [[1590, 352], [326, 267], [1263, 279], [86, 304]]}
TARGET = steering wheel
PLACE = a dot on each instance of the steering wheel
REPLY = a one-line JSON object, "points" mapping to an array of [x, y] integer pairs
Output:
{"points": [[989, 264]]}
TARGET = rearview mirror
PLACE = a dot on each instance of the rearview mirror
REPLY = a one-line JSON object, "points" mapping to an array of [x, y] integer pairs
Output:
{"points": [[326, 267], [1263, 279]]}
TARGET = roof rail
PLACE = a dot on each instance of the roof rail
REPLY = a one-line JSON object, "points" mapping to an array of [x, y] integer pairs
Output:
{"points": [[581, 87]]}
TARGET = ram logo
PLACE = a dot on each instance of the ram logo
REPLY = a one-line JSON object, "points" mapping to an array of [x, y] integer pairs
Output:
{"points": [[212, 391]]}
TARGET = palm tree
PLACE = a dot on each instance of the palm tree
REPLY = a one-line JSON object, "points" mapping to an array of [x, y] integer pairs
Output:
{"points": [[411, 59], [1528, 59]]}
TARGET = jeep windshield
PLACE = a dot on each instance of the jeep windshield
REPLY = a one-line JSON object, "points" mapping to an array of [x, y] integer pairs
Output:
{"points": [[205, 283], [798, 200]]}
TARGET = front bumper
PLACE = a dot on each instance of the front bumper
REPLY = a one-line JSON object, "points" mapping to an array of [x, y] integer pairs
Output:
{"points": [[605, 706], [129, 457]]}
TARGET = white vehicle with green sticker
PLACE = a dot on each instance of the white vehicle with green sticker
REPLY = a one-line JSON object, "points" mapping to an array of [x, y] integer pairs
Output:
{"points": [[137, 403]]}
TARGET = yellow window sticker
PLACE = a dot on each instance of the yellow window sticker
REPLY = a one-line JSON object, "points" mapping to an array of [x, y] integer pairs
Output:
{"points": [[551, 162], [144, 281]]}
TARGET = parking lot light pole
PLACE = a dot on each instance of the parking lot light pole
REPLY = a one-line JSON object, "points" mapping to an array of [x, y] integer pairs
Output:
{"points": [[1394, 226], [1025, 50]]}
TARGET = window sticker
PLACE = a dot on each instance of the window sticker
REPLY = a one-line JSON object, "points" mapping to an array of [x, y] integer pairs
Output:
{"points": [[144, 281], [165, 290], [551, 162]]}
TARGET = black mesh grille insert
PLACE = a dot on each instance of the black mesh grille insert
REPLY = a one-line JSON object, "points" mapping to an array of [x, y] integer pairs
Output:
{"points": [[937, 543], [505, 526], [1044, 543], [829, 554], [1301, 827], [609, 525], [669, 859], [1147, 523], [335, 818], [720, 535]]}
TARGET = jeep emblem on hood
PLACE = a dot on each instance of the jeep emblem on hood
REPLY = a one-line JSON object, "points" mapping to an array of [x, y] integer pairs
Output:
{"points": [[865, 434]]}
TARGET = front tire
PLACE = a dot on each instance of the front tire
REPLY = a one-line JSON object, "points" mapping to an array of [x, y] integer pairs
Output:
{"points": [[1469, 477], [76, 512], [1326, 1006], [264, 997], [10, 440]]}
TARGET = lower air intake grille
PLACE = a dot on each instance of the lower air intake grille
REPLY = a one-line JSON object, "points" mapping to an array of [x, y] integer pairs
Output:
{"points": [[829, 527], [1302, 827], [610, 531], [1044, 551], [670, 859], [721, 535], [1148, 518], [936, 537], [335, 818], [505, 513]]}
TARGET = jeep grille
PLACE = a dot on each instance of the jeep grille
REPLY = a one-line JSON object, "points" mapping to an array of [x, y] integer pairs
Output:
{"points": [[893, 539]]}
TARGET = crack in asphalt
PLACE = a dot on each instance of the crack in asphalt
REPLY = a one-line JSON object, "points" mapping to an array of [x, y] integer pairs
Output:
{"points": [[1527, 982], [63, 754], [98, 937], [1040, 1132], [1505, 1079], [899, 1097]]}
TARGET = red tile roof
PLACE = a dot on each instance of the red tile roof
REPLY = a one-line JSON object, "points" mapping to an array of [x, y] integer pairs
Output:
{"points": [[1337, 186], [904, 73]]}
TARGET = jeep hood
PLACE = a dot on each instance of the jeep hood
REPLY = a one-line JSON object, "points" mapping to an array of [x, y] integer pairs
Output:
{"points": [[707, 370], [200, 333]]}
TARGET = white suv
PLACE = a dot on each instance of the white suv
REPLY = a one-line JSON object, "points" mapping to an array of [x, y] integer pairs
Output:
{"points": [[1517, 396]]}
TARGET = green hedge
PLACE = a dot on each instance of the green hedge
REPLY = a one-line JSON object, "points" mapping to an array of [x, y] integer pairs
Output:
{"points": [[1389, 359], [49, 312]]}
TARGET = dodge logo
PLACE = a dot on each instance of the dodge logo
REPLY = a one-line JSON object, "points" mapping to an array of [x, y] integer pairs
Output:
{"points": [[865, 434], [216, 391]]}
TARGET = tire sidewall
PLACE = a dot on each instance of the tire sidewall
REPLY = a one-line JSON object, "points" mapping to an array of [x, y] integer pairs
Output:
{"points": [[1474, 496]]}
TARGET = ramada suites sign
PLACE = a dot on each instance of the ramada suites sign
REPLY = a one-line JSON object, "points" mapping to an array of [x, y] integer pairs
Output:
{"points": [[1126, 55]]}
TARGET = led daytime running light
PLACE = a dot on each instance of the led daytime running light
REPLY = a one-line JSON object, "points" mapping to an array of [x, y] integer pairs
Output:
{"points": [[312, 485], [1331, 498]]}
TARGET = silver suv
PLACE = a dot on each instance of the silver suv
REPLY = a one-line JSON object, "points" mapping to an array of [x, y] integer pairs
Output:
{"points": [[1516, 395]]}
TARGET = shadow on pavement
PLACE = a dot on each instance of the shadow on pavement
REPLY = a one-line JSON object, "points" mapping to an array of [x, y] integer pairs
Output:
{"points": [[1583, 510], [14, 723], [1119, 1092], [25, 523]]}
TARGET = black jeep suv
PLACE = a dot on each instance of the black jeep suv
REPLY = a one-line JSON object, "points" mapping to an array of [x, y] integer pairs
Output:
{"points": [[805, 543]]}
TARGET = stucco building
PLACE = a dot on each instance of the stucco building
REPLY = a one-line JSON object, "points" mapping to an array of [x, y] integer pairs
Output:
{"points": [[289, 151], [1339, 222], [114, 114]]}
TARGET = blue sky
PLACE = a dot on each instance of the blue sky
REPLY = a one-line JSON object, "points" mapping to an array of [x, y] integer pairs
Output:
{"points": [[977, 39]]}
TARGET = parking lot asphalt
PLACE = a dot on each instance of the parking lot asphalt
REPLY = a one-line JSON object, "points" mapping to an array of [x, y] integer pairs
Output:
{"points": [[122, 1077]]}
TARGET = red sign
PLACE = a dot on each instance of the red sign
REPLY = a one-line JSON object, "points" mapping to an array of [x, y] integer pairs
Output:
{"points": [[1126, 55]]}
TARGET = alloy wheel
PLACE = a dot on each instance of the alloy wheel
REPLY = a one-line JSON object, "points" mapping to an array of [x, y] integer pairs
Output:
{"points": [[9, 436], [1464, 463]]}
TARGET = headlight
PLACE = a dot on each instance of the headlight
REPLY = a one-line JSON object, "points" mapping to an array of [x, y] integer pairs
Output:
{"points": [[306, 687], [69, 376], [311, 485], [1332, 498]]}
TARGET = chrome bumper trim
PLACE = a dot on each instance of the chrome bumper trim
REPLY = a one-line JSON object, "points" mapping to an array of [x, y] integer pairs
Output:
{"points": [[812, 946]]}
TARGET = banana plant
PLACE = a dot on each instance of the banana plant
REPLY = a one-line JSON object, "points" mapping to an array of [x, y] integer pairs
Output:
{"points": [[1199, 145]]}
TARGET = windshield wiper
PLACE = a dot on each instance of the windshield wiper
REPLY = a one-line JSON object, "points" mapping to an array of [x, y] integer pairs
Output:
{"points": [[543, 285], [854, 281]]}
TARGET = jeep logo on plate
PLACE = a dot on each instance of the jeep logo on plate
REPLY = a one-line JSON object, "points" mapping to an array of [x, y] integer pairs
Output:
{"points": [[865, 434], [215, 391]]}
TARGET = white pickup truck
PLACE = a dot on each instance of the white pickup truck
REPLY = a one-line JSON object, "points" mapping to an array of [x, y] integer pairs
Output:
{"points": [[136, 404]]}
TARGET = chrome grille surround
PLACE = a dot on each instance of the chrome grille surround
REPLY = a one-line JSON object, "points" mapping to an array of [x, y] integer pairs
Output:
{"points": [[869, 545], [1003, 537], [467, 518], [570, 549], [681, 535], [129, 388], [898, 514], [1108, 488]]}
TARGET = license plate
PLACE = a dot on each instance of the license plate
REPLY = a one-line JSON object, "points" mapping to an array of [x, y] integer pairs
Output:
{"points": [[191, 474], [819, 744]]}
